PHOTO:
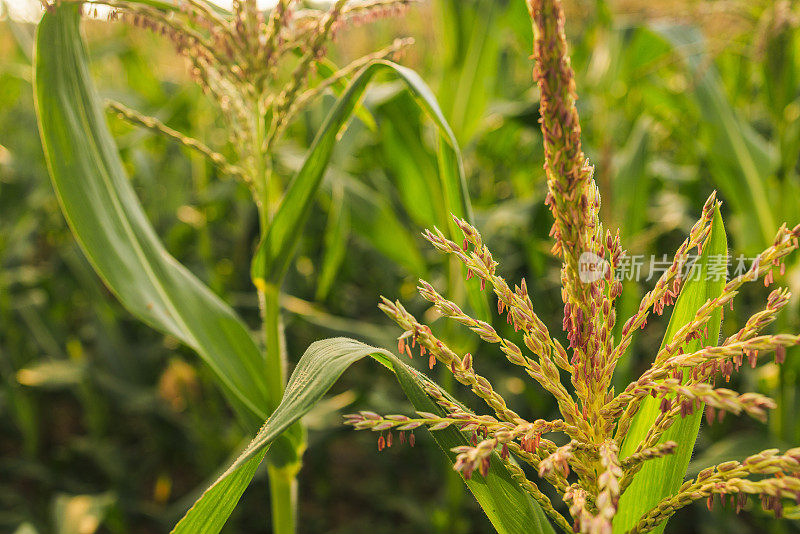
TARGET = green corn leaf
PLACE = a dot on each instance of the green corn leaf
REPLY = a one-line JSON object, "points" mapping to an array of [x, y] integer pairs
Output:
{"points": [[474, 49], [336, 233], [451, 168], [374, 219], [327, 68], [408, 161], [510, 509], [110, 224], [275, 251], [426, 200], [742, 161], [631, 181], [662, 477], [211, 511]]}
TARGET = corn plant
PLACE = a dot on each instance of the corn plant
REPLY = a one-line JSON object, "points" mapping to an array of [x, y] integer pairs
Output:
{"points": [[626, 454], [623, 455], [261, 69], [750, 145]]}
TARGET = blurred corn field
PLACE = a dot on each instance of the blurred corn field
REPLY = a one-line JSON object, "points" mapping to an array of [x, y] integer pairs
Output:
{"points": [[108, 426]]}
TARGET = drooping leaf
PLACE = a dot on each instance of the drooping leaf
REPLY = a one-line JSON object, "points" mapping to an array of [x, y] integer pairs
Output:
{"points": [[662, 477], [275, 250], [209, 514], [327, 68], [510, 509], [108, 221]]}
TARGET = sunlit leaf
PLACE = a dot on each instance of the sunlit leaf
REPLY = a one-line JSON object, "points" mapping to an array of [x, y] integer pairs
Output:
{"points": [[662, 477], [510, 509], [742, 160], [276, 249], [110, 224]]}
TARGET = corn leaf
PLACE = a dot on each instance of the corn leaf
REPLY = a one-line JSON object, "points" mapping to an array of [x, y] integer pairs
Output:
{"points": [[110, 224], [742, 161], [336, 234], [510, 509], [211, 511], [276, 249], [327, 68], [426, 199], [631, 183], [408, 161], [374, 219], [662, 477], [450, 167], [473, 50]]}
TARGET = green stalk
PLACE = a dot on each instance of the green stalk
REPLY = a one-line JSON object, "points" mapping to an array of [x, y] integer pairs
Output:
{"points": [[268, 294], [282, 479], [283, 497], [275, 353]]}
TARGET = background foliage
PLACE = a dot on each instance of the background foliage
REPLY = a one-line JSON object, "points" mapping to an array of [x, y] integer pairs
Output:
{"points": [[105, 422]]}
